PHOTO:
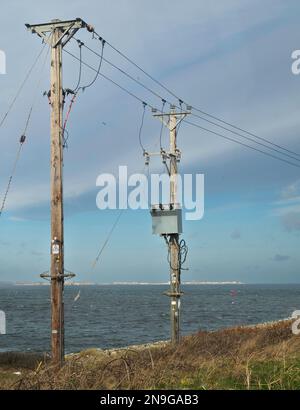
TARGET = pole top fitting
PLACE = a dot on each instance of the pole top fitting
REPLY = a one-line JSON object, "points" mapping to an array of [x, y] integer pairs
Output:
{"points": [[90, 28]]}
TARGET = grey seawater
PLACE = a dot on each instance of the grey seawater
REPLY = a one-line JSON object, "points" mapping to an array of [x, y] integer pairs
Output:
{"points": [[116, 316]]}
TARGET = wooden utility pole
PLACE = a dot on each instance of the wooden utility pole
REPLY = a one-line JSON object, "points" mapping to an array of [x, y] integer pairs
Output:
{"points": [[57, 33], [171, 120], [57, 217]]}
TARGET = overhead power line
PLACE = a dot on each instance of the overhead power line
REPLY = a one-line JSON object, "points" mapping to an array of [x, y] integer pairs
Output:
{"points": [[188, 122], [140, 68], [241, 143], [99, 67], [173, 94], [125, 73], [247, 132], [141, 127], [80, 44], [108, 79], [278, 148]]}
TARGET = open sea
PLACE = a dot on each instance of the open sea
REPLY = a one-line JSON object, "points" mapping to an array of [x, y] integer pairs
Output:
{"points": [[107, 316]]}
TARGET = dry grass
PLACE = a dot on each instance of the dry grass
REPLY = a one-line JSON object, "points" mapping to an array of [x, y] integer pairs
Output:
{"points": [[264, 357]]}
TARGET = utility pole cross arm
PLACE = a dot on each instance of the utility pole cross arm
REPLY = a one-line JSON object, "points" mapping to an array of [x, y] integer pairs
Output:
{"points": [[179, 116], [67, 29]]}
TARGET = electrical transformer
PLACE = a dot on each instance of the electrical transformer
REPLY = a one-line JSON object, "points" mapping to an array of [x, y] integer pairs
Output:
{"points": [[166, 219]]}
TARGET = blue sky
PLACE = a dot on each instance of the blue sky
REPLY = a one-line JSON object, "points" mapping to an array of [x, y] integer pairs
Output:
{"points": [[229, 58]]}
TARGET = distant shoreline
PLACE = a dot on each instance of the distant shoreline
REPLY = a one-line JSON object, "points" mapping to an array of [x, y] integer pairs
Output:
{"points": [[121, 283]]}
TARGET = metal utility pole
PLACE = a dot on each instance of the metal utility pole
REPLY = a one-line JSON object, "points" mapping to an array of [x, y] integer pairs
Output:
{"points": [[171, 120], [57, 33]]}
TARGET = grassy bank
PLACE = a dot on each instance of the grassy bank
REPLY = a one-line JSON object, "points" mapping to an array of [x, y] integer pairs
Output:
{"points": [[262, 357]]}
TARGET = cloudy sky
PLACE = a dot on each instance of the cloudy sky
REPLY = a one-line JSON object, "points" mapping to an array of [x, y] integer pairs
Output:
{"points": [[229, 58]]}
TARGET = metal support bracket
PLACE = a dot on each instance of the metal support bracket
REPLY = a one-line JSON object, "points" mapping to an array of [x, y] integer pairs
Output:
{"points": [[181, 116], [68, 28], [173, 295], [67, 275]]}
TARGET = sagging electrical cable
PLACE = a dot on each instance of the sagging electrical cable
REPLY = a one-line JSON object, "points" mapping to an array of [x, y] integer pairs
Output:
{"points": [[80, 44], [79, 88], [162, 125], [141, 128], [99, 67], [182, 250]]}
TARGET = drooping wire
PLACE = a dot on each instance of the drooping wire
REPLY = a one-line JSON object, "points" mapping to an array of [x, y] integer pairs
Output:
{"points": [[64, 127], [162, 125], [124, 72], [23, 137], [141, 128], [80, 44], [187, 122], [178, 127], [74, 95], [109, 79], [22, 86], [78, 88], [65, 138], [182, 250], [99, 68]]}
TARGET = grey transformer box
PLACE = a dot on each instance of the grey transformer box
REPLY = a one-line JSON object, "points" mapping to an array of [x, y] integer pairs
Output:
{"points": [[166, 219]]}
